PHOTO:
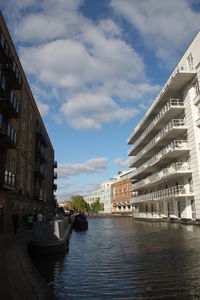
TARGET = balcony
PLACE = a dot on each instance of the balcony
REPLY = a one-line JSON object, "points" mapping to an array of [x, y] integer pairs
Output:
{"points": [[9, 105], [4, 48], [179, 78], [177, 169], [55, 175], [2, 84], [40, 171], [8, 135], [55, 164], [54, 187], [198, 123], [173, 108], [40, 135], [174, 128], [41, 153], [178, 191], [13, 75], [172, 150]]}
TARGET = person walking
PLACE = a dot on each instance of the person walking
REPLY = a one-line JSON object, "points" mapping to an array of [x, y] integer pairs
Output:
{"points": [[15, 219], [30, 220], [40, 217]]}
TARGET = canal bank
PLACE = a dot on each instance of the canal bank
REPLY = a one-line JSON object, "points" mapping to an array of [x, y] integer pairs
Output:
{"points": [[19, 279]]}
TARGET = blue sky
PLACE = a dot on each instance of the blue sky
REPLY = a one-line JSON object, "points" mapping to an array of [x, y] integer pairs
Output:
{"points": [[94, 67]]}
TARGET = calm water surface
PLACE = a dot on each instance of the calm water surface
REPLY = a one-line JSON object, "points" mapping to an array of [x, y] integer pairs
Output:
{"points": [[119, 258]]}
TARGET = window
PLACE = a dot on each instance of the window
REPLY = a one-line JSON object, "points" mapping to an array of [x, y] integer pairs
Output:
{"points": [[190, 62], [196, 88]]}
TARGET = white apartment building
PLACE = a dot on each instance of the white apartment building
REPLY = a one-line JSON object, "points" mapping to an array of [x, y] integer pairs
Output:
{"points": [[105, 188], [166, 146], [96, 194]]}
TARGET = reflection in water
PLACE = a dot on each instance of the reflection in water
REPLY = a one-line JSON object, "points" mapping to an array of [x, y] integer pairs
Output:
{"points": [[119, 258]]}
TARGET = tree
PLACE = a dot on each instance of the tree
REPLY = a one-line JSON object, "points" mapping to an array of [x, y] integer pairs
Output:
{"points": [[96, 206], [79, 203]]}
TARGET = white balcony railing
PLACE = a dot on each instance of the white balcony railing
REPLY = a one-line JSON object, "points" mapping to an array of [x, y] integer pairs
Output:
{"points": [[174, 168], [175, 191], [175, 145], [173, 124], [176, 72], [172, 103]]}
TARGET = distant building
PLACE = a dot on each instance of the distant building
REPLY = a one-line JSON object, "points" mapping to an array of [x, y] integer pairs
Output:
{"points": [[166, 146], [26, 153], [105, 188], [96, 194], [121, 192]]}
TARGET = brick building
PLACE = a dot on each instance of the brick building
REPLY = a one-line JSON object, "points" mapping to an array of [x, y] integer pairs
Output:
{"points": [[26, 154], [121, 192]]}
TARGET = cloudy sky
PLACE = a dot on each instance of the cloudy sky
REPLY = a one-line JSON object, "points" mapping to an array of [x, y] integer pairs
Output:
{"points": [[94, 67]]}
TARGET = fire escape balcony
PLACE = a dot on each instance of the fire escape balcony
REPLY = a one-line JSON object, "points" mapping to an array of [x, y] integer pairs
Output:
{"points": [[40, 171], [172, 109], [9, 105], [174, 128], [13, 75], [55, 164], [4, 48], [8, 135], [40, 135], [2, 84], [55, 175], [54, 187], [41, 154], [178, 191]]}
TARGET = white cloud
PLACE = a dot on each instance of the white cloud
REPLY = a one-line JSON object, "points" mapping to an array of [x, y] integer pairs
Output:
{"points": [[76, 60], [165, 26], [43, 108], [89, 111], [94, 165], [122, 163]]}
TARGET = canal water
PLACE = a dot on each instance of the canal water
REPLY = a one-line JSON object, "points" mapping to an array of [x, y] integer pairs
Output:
{"points": [[119, 258]]}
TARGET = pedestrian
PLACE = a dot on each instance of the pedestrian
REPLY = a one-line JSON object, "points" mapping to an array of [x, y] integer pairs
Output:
{"points": [[30, 220], [40, 217], [15, 219]]}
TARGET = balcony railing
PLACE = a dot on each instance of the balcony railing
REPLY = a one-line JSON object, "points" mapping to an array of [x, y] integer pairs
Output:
{"points": [[175, 191], [2, 84], [174, 168], [55, 175], [178, 73], [173, 124], [4, 48], [175, 145], [173, 103], [54, 187], [13, 75], [41, 136], [8, 134], [55, 164], [10, 105]]}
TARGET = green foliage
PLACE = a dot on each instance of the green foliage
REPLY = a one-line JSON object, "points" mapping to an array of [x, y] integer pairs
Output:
{"points": [[96, 206], [78, 203]]}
